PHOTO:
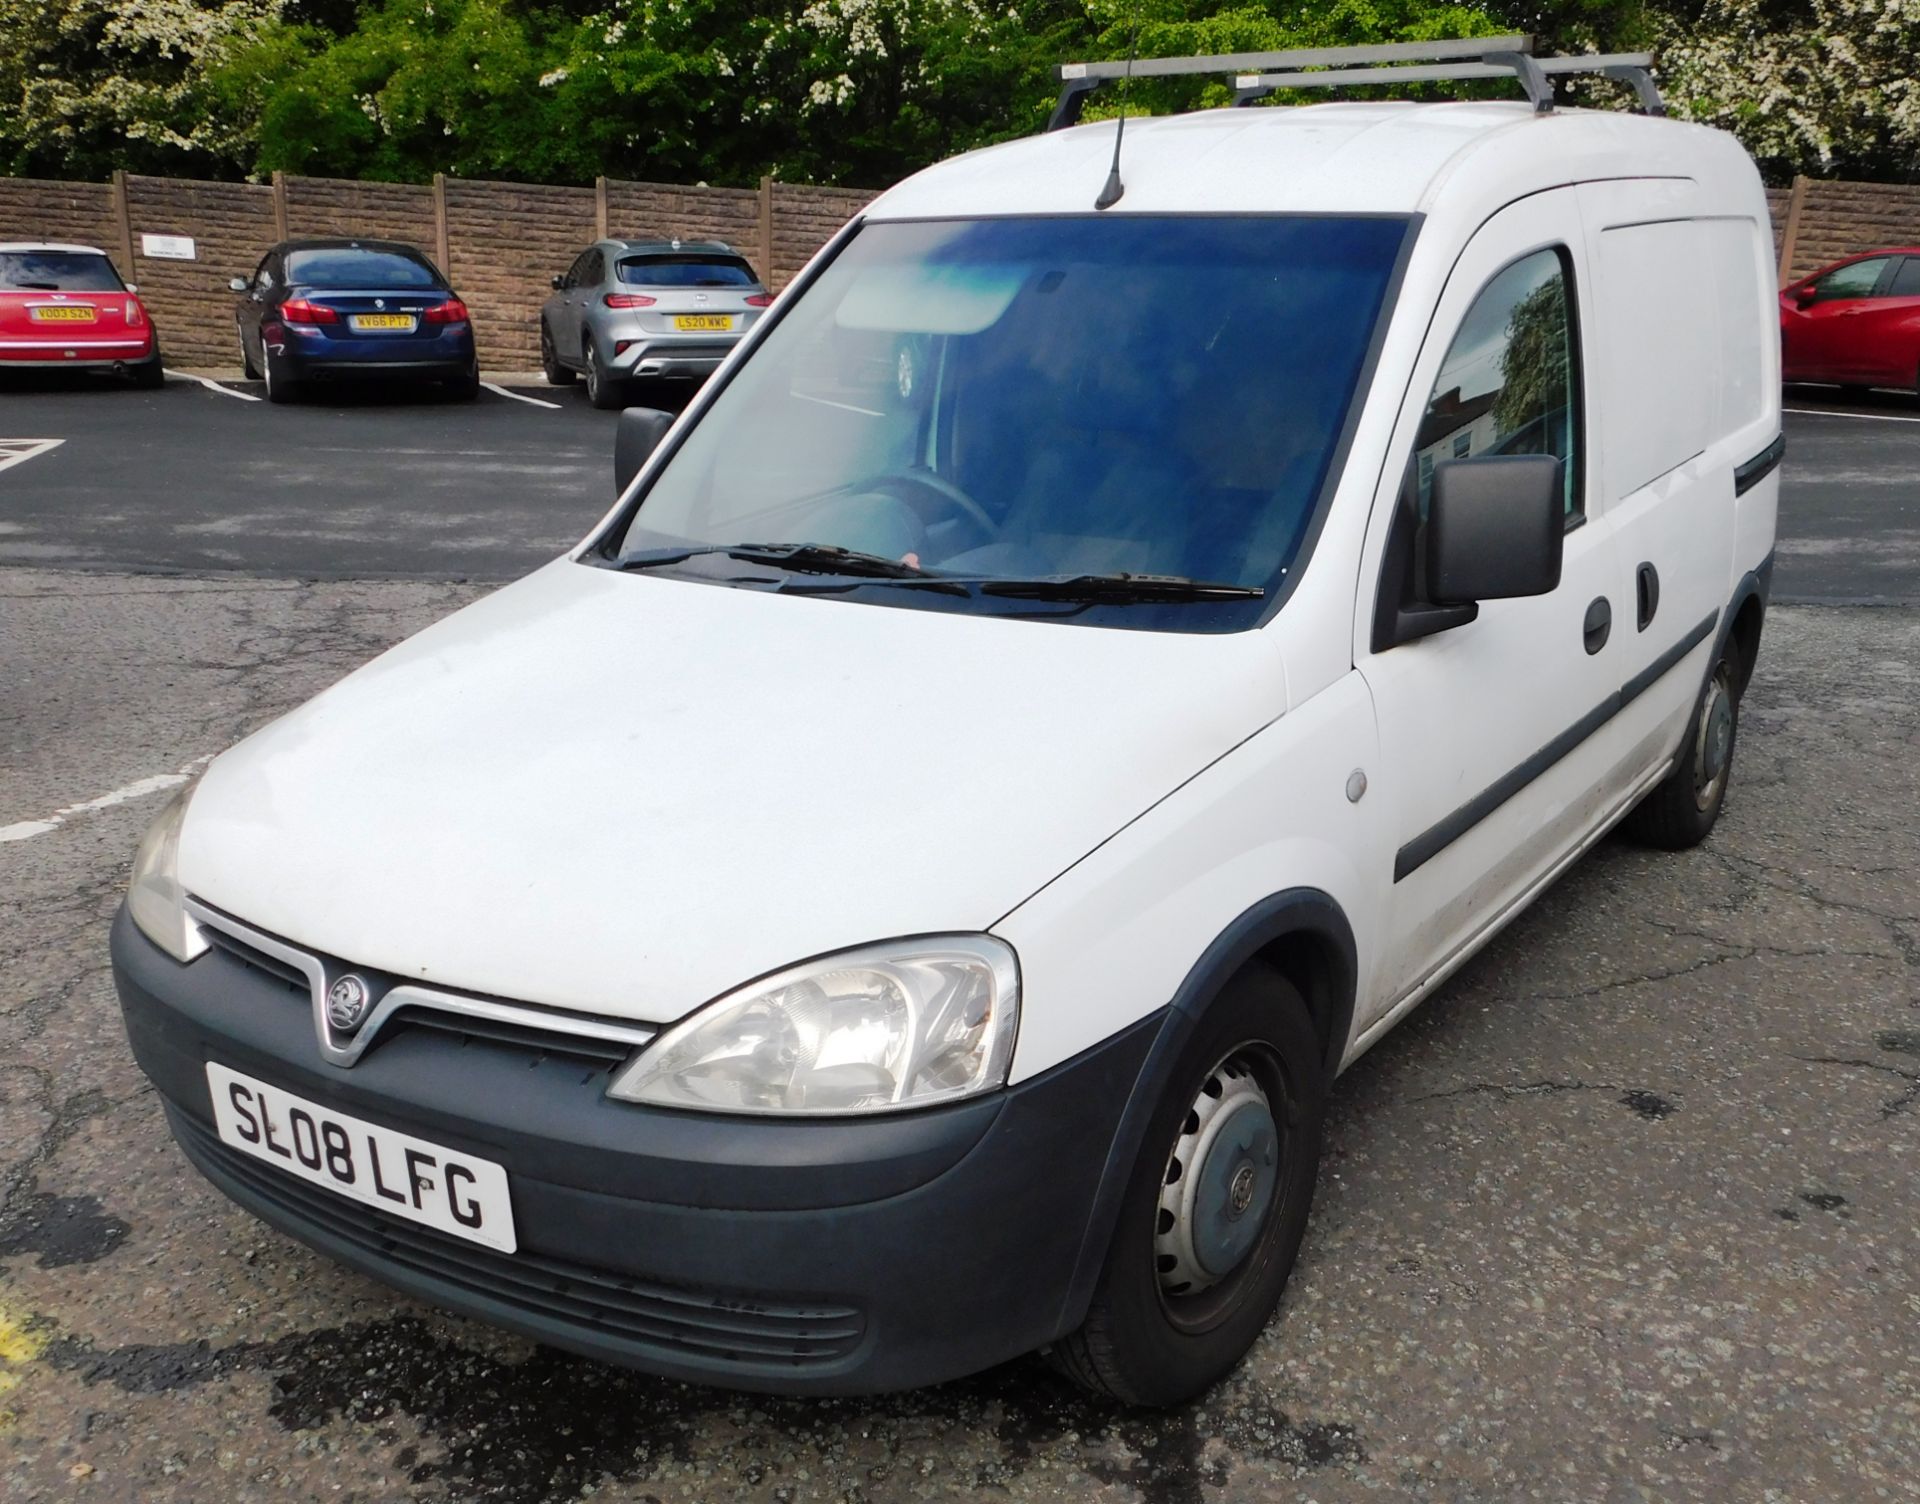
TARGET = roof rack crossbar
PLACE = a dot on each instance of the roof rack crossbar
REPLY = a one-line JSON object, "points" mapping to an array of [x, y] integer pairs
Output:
{"points": [[1535, 75], [1078, 80]]}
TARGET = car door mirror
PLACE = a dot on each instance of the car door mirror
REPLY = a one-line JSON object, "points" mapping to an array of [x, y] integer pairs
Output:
{"points": [[636, 435], [556, 282], [1495, 528], [1805, 297], [238, 284]]}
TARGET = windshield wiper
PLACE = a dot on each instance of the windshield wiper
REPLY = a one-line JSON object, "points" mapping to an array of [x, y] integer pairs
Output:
{"points": [[1117, 588], [801, 558]]}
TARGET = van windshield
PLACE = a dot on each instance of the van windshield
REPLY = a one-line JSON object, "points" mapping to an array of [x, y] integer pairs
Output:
{"points": [[997, 408]]}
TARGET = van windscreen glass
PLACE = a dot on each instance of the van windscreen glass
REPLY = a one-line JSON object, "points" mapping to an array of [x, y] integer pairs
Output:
{"points": [[1028, 415]]}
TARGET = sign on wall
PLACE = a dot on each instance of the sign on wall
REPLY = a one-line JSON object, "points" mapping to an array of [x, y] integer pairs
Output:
{"points": [[167, 247]]}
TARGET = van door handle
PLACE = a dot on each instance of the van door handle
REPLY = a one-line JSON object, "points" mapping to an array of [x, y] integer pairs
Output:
{"points": [[1647, 587], [1598, 625]]}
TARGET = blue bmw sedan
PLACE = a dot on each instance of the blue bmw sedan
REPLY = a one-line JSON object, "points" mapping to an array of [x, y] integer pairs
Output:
{"points": [[317, 310]]}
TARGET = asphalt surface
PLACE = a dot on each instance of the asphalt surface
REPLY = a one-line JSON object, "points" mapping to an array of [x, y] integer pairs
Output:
{"points": [[375, 483], [1627, 1212]]}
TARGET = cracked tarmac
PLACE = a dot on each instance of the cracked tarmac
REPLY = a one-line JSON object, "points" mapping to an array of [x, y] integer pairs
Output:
{"points": [[1626, 1212]]}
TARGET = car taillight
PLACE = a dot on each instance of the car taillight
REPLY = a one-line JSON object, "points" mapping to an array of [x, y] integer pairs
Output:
{"points": [[453, 311], [136, 315], [628, 300], [300, 311], [759, 299]]}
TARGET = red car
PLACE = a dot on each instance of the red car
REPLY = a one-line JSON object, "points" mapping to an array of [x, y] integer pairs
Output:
{"points": [[1855, 323], [65, 305]]}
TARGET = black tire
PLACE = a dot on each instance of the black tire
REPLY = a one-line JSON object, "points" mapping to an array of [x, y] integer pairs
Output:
{"points": [[464, 388], [1149, 1338], [247, 367], [150, 375], [556, 374], [603, 391], [1682, 809], [280, 389]]}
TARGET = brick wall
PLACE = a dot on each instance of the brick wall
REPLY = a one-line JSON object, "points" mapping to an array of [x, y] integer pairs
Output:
{"points": [[231, 225], [505, 241], [35, 209], [637, 211], [804, 219], [378, 211]]}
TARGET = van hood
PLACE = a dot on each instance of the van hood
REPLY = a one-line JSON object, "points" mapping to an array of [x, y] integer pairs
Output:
{"points": [[626, 794]]}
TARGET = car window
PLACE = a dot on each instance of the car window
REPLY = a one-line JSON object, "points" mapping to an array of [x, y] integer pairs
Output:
{"points": [[1856, 279], [58, 271], [593, 268], [1508, 383], [358, 268], [686, 271], [1020, 398], [263, 274], [1906, 281]]}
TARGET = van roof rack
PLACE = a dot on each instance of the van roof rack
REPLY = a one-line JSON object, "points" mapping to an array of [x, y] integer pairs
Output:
{"points": [[1258, 74]]}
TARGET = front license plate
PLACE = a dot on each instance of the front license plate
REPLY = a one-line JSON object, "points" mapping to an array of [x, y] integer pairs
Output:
{"points": [[451, 1191], [402, 322], [690, 322], [63, 315]]}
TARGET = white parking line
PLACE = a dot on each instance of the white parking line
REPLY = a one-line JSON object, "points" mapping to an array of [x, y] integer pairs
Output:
{"points": [[23, 830], [1827, 412], [213, 386], [17, 451], [531, 401]]}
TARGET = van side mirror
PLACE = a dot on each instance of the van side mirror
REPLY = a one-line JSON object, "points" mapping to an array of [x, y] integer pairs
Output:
{"points": [[636, 435], [1496, 526], [238, 284]]}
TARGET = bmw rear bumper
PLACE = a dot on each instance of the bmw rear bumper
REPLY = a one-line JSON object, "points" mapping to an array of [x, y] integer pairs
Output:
{"points": [[310, 353], [849, 1256]]}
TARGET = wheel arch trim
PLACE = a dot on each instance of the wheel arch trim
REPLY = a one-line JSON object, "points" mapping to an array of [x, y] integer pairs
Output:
{"points": [[1293, 914]]}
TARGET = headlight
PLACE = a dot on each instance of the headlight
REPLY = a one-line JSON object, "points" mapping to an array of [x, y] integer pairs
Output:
{"points": [[154, 899], [905, 1024]]}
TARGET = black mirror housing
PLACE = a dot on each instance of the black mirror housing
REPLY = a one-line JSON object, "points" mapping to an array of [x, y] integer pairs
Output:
{"points": [[555, 281], [1496, 526], [635, 436]]}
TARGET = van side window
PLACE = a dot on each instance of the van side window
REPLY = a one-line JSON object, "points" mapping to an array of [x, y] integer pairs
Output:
{"points": [[1507, 385]]}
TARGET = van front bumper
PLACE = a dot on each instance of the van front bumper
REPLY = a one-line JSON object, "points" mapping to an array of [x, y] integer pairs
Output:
{"points": [[830, 1256]]}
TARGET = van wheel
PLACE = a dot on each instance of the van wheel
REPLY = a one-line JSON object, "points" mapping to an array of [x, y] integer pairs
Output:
{"points": [[1217, 1205], [1682, 808]]}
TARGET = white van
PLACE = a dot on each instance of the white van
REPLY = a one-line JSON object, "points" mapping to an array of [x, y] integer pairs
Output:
{"points": [[897, 895]]}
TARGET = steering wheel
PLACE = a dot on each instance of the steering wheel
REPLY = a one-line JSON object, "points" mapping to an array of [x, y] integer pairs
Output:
{"points": [[925, 492]]}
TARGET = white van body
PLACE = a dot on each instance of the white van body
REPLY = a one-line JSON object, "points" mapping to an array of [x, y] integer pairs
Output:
{"points": [[618, 796]]}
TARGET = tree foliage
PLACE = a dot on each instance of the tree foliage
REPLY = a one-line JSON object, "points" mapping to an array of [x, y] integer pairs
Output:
{"points": [[854, 91]]}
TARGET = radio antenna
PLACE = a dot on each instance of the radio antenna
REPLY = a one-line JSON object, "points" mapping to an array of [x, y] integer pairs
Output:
{"points": [[1110, 195]]}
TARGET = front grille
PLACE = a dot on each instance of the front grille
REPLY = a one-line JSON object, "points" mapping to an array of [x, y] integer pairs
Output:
{"points": [[540, 1044], [283, 972], [677, 1322]]}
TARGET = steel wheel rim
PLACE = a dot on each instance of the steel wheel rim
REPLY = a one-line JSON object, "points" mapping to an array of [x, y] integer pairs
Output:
{"points": [[1225, 1178], [1713, 738]]}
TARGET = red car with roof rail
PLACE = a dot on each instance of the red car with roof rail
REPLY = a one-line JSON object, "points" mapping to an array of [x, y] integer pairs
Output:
{"points": [[1856, 323], [65, 306]]}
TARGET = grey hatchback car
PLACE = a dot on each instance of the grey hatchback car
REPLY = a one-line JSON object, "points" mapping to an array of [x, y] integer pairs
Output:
{"points": [[646, 309]]}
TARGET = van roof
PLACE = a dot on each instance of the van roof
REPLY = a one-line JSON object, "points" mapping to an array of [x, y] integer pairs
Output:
{"points": [[1335, 158]]}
